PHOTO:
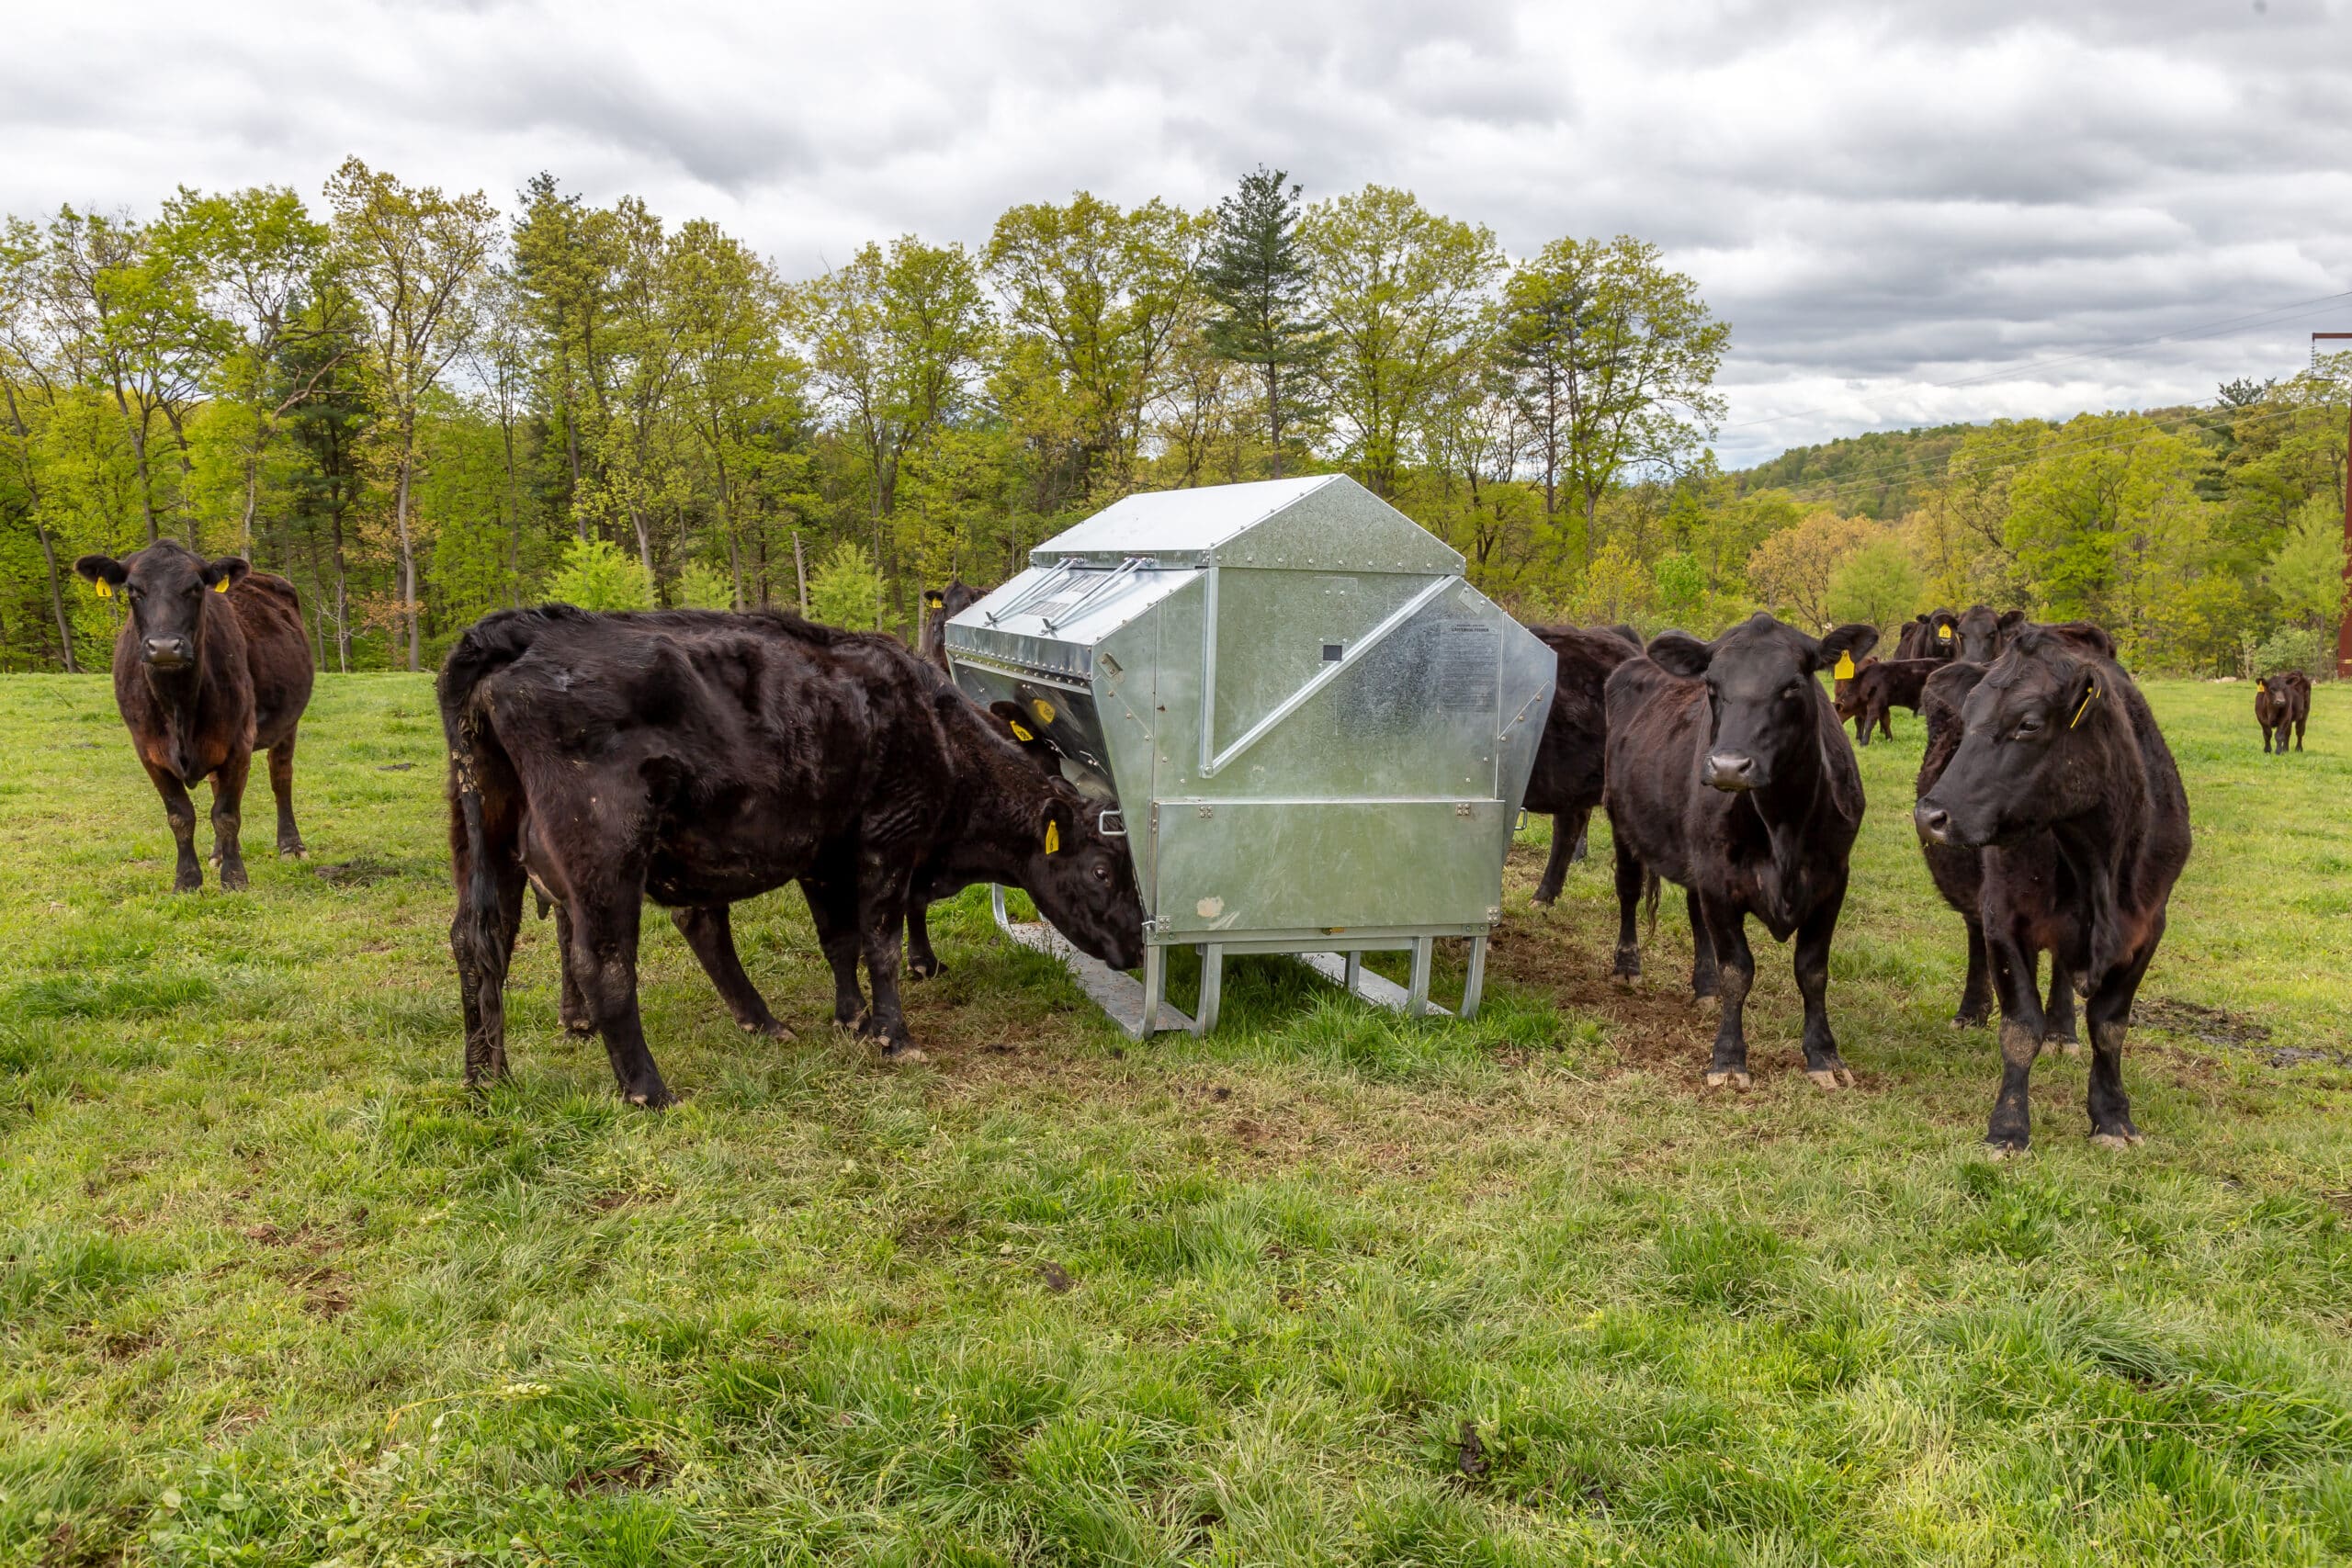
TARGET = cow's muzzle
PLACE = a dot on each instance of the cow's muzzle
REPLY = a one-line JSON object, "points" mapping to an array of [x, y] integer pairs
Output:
{"points": [[1934, 824], [167, 652], [1732, 771]]}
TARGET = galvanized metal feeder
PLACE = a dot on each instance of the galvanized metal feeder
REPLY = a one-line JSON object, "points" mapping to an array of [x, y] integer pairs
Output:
{"points": [[1317, 731]]}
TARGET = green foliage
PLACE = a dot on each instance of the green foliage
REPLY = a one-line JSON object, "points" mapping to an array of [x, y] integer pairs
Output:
{"points": [[1878, 584], [1679, 588], [1256, 272], [704, 587], [596, 575], [844, 590], [2295, 648]]}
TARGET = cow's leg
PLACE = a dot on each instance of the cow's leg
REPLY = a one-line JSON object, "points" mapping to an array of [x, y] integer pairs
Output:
{"points": [[710, 931], [1976, 992], [832, 909], [483, 941], [2058, 1010], [1735, 974], [603, 958], [881, 927], [2299, 731], [1706, 982], [187, 875], [2265, 740], [2013, 970], [281, 785], [572, 1006], [228, 806], [1823, 1064], [922, 964], [1567, 848], [1886, 721], [2110, 1015], [1629, 898]]}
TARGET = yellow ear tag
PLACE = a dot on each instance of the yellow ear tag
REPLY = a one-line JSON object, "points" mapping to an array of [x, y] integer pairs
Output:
{"points": [[1845, 670], [1053, 838], [105, 589], [222, 586], [2085, 708], [1044, 710], [933, 600], [1019, 733], [1943, 634]]}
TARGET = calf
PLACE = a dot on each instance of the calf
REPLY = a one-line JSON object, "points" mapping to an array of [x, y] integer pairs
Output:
{"points": [[2055, 740], [699, 759], [1933, 636], [1848, 701], [211, 665], [1729, 774], [1566, 778], [1981, 634], [1882, 686], [2280, 703], [941, 606]]}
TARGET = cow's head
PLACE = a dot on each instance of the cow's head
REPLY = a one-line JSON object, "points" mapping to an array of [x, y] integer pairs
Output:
{"points": [[1848, 688], [1981, 634], [1082, 879], [2027, 730], [1760, 693], [2279, 687], [163, 585], [941, 606], [1939, 634]]}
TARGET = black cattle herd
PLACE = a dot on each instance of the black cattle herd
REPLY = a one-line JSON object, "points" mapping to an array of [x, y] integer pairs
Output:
{"points": [[700, 758]]}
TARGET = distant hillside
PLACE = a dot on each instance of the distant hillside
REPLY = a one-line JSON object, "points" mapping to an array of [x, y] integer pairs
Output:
{"points": [[1882, 474]]}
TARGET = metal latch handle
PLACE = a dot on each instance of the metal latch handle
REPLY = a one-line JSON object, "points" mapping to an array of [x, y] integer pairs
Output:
{"points": [[1103, 824]]}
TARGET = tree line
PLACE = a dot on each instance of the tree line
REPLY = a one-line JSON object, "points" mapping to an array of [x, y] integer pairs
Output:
{"points": [[420, 409]]}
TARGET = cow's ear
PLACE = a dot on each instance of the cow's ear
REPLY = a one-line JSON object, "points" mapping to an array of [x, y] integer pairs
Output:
{"points": [[1058, 830], [2085, 692], [102, 569], [2011, 620], [1679, 653], [1849, 641], [933, 599], [220, 573]]}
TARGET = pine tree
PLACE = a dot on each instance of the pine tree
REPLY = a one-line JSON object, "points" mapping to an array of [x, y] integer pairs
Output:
{"points": [[1259, 277]]}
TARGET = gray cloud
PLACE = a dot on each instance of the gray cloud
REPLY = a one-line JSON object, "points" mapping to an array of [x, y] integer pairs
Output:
{"points": [[1879, 198]]}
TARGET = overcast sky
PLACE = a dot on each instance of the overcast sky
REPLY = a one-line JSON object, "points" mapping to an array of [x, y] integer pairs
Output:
{"points": [[1880, 198]]}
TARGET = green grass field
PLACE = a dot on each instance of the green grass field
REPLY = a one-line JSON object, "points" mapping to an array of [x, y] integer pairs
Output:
{"points": [[1324, 1288]]}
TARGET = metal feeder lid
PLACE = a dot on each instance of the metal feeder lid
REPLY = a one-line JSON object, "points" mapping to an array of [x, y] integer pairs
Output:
{"points": [[1322, 523]]}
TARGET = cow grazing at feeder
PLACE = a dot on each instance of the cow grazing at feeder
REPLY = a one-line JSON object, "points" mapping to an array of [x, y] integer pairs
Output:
{"points": [[211, 665], [2056, 742], [2282, 703], [1729, 774], [941, 606], [699, 758], [1566, 782]]}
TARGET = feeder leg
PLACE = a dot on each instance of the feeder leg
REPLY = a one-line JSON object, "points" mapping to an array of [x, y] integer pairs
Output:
{"points": [[1211, 987], [1417, 993], [1154, 985], [1474, 983], [1354, 982]]}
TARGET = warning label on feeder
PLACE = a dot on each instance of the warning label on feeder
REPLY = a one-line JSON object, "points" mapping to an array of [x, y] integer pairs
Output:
{"points": [[1465, 666]]}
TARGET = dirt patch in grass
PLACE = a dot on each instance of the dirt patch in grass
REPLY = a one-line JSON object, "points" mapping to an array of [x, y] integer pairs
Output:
{"points": [[2215, 1026], [360, 871], [641, 1472]]}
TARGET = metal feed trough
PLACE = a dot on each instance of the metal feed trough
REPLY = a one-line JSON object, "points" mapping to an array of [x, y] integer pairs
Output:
{"points": [[1317, 731]]}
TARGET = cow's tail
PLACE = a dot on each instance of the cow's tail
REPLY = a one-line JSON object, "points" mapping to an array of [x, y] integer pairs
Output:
{"points": [[1649, 903], [484, 809]]}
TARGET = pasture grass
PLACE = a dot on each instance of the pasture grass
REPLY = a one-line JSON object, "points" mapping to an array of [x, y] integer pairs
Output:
{"points": [[1324, 1288]]}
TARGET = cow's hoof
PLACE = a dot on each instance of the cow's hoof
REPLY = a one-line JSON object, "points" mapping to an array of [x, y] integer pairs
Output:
{"points": [[2001, 1148], [2065, 1046], [2123, 1139], [903, 1053], [1738, 1080], [1543, 900], [1969, 1019], [1831, 1078], [770, 1028], [1708, 1003], [918, 969], [233, 878], [187, 884], [656, 1098], [294, 851], [1625, 982], [579, 1028]]}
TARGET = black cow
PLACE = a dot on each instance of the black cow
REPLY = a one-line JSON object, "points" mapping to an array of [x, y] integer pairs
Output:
{"points": [[2283, 701], [1729, 774], [1846, 700], [941, 606], [699, 759], [1933, 636], [1566, 778], [1881, 687], [211, 665], [1981, 634], [2055, 740]]}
